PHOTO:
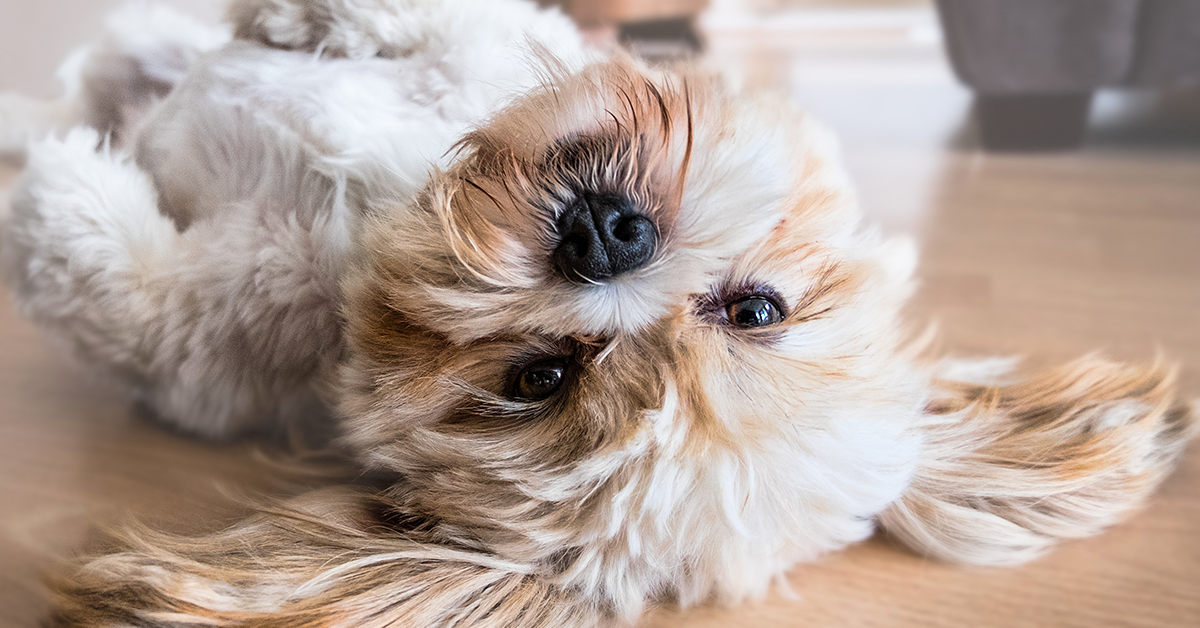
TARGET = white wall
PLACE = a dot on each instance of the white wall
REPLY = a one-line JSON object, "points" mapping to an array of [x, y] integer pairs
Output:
{"points": [[36, 35]]}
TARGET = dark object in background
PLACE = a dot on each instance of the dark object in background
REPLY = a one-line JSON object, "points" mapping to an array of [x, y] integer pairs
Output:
{"points": [[1032, 121], [665, 34], [1034, 64]]}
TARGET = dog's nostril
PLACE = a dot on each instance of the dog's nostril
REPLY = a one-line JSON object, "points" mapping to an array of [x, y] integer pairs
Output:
{"points": [[633, 228], [575, 246], [603, 236]]}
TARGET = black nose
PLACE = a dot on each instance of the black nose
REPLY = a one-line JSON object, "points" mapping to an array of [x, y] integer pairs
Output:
{"points": [[602, 236]]}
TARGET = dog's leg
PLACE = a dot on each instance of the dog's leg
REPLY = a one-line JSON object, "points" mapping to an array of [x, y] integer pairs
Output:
{"points": [[82, 245], [1012, 468], [220, 328], [324, 560]]}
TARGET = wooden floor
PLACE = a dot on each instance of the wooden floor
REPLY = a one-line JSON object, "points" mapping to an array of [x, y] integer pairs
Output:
{"points": [[1050, 256]]}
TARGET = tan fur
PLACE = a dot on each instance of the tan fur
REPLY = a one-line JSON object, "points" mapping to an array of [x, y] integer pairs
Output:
{"points": [[1011, 469], [322, 560]]}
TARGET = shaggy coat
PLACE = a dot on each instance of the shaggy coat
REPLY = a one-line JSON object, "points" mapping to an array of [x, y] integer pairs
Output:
{"points": [[359, 204]]}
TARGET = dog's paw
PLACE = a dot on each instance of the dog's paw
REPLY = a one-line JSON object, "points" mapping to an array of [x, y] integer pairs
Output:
{"points": [[82, 238], [85, 210]]}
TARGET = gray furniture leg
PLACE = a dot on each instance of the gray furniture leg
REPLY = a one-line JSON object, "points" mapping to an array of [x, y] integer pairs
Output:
{"points": [[1032, 122]]}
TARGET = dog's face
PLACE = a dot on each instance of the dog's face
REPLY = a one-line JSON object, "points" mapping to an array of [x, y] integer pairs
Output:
{"points": [[636, 306]]}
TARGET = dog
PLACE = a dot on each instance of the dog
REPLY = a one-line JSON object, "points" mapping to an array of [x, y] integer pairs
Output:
{"points": [[607, 334]]}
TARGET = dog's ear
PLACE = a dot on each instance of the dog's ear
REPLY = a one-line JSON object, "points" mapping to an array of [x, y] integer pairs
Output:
{"points": [[1010, 468], [331, 558]]}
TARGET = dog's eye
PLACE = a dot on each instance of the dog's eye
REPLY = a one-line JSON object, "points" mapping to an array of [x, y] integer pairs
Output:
{"points": [[754, 311], [540, 379]]}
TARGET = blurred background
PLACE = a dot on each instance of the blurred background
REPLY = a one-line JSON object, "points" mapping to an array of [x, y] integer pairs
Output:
{"points": [[1045, 153]]}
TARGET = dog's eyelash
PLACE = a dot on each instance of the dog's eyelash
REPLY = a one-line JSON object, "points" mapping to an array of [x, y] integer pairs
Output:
{"points": [[567, 351], [828, 279], [714, 303], [826, 282]]}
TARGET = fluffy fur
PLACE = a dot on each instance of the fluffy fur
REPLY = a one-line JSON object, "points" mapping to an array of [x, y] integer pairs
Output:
{"points": [[354, 205]]}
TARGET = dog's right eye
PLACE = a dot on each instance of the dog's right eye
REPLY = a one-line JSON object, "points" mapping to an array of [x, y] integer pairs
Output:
{"points": [[754, 311], [540, 379]]}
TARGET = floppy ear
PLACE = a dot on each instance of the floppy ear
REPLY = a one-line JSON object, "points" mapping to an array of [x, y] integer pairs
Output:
{"points": [[327, 559], [1009, 469]]}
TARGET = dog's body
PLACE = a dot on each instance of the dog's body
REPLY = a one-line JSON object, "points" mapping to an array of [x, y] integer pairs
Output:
{"points": [[238, 197], [626, 340]]}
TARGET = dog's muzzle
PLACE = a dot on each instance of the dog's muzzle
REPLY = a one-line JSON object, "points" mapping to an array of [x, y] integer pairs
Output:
{"points": [[603, 236]]}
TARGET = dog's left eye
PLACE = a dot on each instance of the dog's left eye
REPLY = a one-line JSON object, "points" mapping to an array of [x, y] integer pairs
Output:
{"points": [[754, 311], [540, 379]]}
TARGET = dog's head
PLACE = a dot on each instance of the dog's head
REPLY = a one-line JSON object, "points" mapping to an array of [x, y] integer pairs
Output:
{"points": [[634, 302]]}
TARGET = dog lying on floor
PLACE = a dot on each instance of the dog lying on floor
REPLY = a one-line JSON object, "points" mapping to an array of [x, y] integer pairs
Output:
{"points": [[611, 333]]}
